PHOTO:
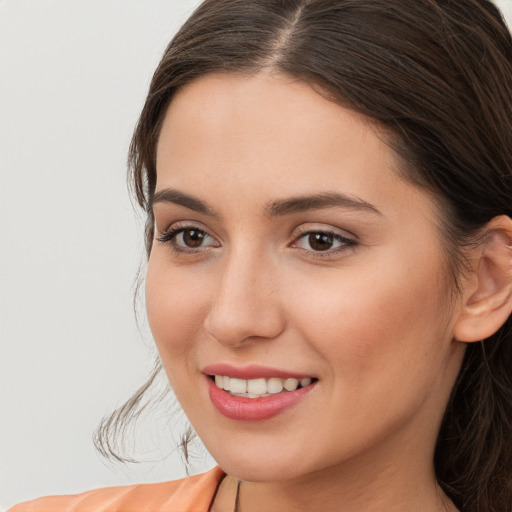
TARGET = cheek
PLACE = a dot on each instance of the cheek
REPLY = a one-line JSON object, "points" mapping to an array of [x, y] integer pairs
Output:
{"points": [[379, 336], [176, 304], [376, 322]]}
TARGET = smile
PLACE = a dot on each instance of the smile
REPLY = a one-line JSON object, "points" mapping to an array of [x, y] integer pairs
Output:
{"points": [[259, 388], [258, 398]]}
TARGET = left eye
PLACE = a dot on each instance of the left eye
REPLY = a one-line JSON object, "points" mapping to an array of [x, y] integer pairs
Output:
{"points": [[322, 241]]}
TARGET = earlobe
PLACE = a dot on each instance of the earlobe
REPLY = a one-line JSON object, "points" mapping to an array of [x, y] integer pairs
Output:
{"points": [[488, 303]]}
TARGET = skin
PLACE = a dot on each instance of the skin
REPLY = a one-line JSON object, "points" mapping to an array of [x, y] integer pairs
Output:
{"points": [[372, 319]]}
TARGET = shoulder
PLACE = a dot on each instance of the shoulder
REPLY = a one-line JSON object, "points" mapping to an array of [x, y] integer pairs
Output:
{"points": [[192, 494]]}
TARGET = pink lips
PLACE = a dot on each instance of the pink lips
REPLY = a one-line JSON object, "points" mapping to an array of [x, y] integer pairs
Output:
{"points": [[252, 409], [250, 372]]}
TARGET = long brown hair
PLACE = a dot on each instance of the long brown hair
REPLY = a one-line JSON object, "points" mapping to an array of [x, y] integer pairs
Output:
{"points": [[437, 75]]}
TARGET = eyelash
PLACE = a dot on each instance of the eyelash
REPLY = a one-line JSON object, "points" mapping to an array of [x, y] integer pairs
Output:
{"points": [[169, 237]]}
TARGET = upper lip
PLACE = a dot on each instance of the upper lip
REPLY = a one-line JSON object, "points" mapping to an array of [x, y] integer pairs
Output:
{"points": [[251, 372]]}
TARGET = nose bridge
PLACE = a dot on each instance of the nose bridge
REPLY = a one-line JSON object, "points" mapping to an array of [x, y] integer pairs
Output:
{"points": [[246, 302]]}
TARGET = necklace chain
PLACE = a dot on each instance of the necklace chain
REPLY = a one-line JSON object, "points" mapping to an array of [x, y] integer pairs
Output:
{"points": [[237, 497]]}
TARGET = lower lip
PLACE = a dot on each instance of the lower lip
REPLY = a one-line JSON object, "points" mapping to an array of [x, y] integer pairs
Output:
{"points": [[254, 409]]}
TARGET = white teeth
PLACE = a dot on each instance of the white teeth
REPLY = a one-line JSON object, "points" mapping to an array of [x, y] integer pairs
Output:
{"points": [[257, 388], [275, 385], [291, 384], [237, 386]]}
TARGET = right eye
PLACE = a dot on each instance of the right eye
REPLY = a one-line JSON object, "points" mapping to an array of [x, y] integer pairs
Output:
{"points": [[187, 239]]}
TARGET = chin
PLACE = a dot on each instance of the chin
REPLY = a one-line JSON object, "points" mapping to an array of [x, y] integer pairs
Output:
{"points": [[261, 464], [259, 471]]}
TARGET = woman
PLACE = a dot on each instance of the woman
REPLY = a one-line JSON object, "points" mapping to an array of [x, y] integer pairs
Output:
{"points": [[328, 190]]}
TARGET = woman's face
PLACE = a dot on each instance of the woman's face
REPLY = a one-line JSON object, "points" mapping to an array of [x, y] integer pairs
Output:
{"points": [[287, 247]]}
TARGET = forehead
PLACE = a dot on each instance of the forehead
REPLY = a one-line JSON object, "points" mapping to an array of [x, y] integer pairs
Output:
{"points": [[268, 135]]}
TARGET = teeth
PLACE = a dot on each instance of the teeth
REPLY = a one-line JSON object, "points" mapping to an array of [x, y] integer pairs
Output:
{"points": [[291, 384], [275, 386], [257, 388], [238, 386], [303, 382]]}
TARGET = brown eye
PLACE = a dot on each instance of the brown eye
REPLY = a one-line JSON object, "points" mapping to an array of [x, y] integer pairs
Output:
{"points": [[188, 239], [320, 241], [327, 243], [192, 237]]}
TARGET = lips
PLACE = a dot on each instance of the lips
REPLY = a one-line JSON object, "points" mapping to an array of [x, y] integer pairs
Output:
{"points": [[251, 372], [255, 393]]}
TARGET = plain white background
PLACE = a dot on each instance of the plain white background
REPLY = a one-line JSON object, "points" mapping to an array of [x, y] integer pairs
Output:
{"points": [[73, 77]]}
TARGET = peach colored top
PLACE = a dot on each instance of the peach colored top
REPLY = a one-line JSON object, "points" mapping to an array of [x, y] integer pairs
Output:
{"points": [[192, 494]]}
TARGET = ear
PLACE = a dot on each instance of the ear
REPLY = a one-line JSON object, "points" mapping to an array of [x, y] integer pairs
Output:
{"points": [[487, 296]]}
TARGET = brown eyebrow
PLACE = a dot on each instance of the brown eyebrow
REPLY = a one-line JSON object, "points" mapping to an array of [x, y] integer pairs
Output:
{"points": [[318, 202], [275, 208], [170, 195]]}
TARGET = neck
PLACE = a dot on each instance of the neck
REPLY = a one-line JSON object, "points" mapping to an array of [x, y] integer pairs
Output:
{"points": [[395, 484], [328, 494]]}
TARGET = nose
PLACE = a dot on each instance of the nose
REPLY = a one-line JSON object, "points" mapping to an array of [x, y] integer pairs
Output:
{"points": [[246, 305]]}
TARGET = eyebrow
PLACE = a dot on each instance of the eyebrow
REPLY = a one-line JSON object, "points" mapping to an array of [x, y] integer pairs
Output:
{"points": [[318, 202], [274, 208], [170, 195]]}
